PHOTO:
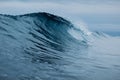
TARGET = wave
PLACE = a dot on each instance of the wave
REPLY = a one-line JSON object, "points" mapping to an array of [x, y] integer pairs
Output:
{"points": [[43, 30], [39, 40]]}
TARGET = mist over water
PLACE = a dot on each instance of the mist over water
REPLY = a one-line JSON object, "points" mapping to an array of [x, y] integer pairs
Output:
{"points": [[42, 46]]}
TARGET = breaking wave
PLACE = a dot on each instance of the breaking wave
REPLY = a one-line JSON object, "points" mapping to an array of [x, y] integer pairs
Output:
{"points": [[42, 46]]}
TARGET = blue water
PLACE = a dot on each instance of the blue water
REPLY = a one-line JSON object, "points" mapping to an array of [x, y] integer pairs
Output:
{"points": [[42, 46]]}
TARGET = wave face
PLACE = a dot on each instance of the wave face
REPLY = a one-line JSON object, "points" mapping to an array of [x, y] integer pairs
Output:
{"points": [[42, 46]]}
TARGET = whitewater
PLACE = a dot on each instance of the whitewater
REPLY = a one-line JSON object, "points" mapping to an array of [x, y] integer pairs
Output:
{"points": [[43, 46]]}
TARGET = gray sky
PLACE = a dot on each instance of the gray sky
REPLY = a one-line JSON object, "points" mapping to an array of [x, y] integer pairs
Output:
{"points": [[100, 15]]}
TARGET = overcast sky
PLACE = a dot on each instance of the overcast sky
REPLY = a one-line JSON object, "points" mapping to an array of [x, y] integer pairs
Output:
{"points": [[100, 15]]}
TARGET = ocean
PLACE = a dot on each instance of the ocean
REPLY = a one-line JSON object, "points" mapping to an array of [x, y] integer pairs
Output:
{"points": [[43, 46]]}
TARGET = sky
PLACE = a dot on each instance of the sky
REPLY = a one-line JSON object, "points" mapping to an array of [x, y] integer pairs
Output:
{"points": [[99, 15]]}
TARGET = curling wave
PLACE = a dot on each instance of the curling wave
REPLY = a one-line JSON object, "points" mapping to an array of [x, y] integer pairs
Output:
{"points": [[43, 46]]}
